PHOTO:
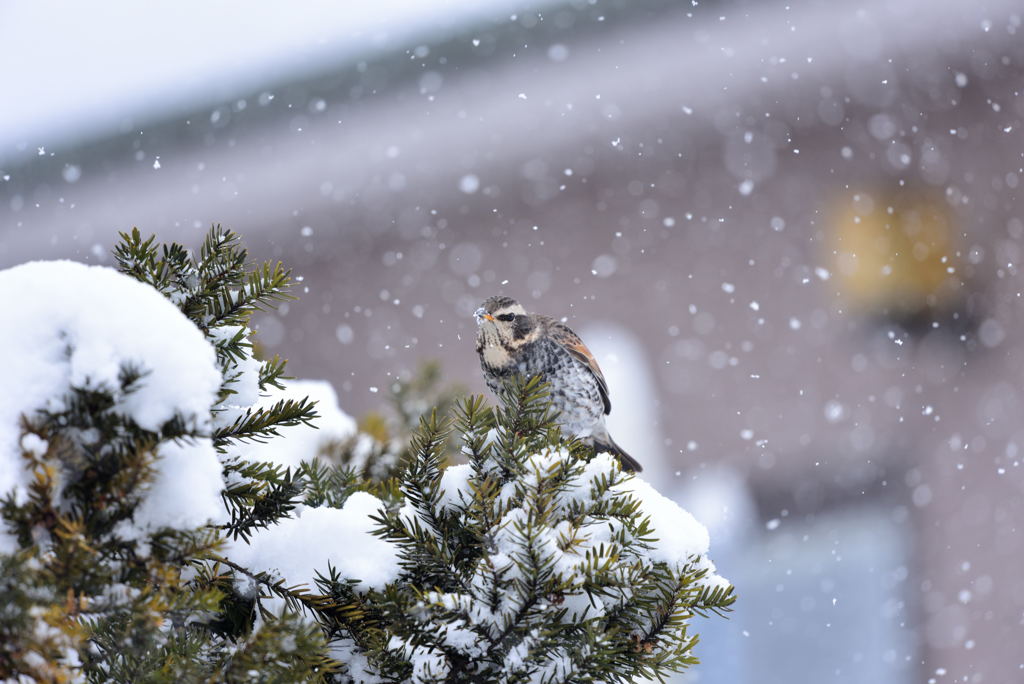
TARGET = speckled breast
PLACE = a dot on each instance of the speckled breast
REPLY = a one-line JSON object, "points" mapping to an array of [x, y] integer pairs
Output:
{"points": [[574, 390]]}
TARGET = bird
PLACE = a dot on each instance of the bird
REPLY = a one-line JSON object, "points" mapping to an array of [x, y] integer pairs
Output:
{"points": [[512, 342]]}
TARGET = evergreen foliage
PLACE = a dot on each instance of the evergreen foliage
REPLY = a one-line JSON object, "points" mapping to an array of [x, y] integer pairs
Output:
{"points": [[536, 567], [534, 562], [79, 588]]}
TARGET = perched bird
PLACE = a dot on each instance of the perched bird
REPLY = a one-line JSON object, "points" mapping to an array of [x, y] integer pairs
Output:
{"points": [[512, 342]]}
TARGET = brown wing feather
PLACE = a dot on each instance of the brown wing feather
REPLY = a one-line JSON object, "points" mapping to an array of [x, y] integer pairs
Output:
{"points": [[564, 335]]}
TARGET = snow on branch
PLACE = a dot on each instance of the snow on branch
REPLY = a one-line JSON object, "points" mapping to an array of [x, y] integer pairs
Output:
{"points": [[86, 334]]}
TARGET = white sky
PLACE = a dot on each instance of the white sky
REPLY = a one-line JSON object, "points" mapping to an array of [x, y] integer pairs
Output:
{"points": [[69, 69]]}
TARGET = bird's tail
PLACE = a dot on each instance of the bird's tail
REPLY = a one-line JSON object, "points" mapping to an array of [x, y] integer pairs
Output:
{"points": [[606, 443]]}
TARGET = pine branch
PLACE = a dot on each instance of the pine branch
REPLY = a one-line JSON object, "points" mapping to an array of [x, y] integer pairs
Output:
{"points": [[264, 494], [260, 424]]}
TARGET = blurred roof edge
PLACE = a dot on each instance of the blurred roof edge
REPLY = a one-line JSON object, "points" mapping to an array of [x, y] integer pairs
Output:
{"points": [[504, 31], [618, 79]]}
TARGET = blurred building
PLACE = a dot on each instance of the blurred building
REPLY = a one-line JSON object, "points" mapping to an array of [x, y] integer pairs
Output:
{"points": [[806, 215]]}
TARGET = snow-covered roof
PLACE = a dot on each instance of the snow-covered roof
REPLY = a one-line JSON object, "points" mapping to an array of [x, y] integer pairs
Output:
{"points": [[76, 70]]}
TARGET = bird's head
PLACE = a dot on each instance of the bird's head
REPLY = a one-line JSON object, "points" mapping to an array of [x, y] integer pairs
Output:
{"points": [[503, 321]]}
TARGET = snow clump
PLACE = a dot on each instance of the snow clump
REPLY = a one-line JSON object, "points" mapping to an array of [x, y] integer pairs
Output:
{"points": [[73, 326]]}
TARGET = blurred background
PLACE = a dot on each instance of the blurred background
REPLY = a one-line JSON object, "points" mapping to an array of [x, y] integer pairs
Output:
{"points": [[790, 231]]}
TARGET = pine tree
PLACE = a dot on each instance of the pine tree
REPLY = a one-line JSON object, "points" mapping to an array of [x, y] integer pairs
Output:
{"points": [[535, 561], [86, 598], [532, 563]]}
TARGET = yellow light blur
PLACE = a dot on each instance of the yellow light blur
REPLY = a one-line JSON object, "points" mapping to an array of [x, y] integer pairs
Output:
{"points": [[895, 254]]}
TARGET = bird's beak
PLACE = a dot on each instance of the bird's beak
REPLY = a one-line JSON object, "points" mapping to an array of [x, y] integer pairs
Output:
{"points": [[481, 314]]}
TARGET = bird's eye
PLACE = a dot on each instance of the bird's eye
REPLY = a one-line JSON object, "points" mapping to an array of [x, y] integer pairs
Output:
{"points": [[506, 317]]}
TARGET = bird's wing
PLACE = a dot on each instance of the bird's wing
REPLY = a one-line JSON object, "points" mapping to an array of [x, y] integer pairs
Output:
{"points": [[572, 343]]}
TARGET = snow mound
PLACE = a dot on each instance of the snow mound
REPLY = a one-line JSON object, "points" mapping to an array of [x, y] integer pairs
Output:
{"points": [[303, 442], [679, 536], [296, 548], [185, 492], [72, 325]]}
